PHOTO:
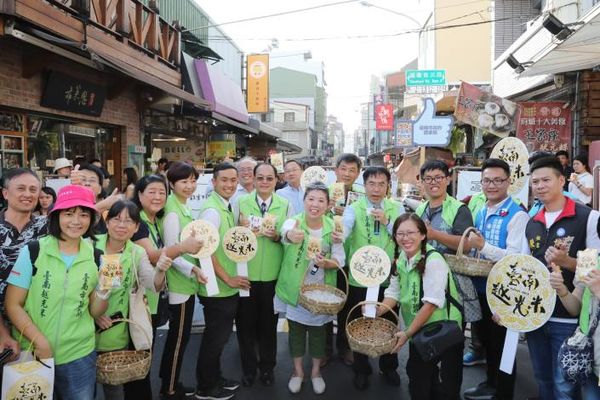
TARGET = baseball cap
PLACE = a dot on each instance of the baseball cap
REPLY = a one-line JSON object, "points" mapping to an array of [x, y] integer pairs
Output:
{"points": [[74, 196]]}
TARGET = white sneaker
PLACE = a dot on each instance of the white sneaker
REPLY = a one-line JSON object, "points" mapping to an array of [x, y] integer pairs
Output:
{"points": [[318, 385], [295, 384]]}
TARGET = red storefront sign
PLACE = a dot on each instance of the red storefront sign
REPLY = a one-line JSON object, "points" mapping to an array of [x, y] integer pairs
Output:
{"points": [[384, 117], [545, 126]]}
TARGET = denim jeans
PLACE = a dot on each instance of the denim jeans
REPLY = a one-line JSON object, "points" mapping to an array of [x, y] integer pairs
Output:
{"points": [[76, 380], [544, 344], [591, 390]]}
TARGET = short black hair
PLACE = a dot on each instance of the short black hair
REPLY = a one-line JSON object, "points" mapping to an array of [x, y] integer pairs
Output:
{"points": [[119, 206], [13, 173], [547, 162], [180, 170], [432, 165], [537, 155], [348, 158], [582, 158], [162, 161], [95, 160], [54, 223], [562, 153], [320, 186], [496, 163], [376, 170], [140, 187], [94, 169], [294, 161], [223, 167], [261, 164]]}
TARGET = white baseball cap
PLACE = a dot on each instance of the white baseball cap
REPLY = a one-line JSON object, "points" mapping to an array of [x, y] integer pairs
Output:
{"points": [[61, 163]]}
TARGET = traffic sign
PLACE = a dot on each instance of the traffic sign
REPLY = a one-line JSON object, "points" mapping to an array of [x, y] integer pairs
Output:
{"points": [[425, 77]]}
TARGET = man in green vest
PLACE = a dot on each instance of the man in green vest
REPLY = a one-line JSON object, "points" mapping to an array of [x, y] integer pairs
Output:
{"points": [[219, 310], [255, 320], [446, 217], [369, 221]]}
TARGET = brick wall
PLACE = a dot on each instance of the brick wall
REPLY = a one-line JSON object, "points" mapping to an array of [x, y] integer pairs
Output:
{"points": [[25, 94], [506, 32]]}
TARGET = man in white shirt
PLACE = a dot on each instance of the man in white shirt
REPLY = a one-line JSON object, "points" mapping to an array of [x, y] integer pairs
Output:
{"points": [[501, 223], [293, 192]]}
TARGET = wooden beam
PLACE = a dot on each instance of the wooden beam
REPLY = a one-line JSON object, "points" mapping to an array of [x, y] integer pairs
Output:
{"points": [[123, 25], [153, 32], [7, 7]]}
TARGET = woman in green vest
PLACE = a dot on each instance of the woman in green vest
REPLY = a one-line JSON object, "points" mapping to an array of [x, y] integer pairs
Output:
{"points": [[150, 195], [297, 270], [422, 286], [183, 279], [52, 298], [255, 319], [122, 222]]}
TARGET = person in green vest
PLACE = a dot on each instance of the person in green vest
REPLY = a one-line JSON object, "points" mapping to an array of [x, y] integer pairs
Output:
{"points": [[122, 221], [347, 170], [297, 270], [446, 219], [219, 309], [53, 299], [369, 221], [426, 293], [150, 196], [184, 279], [255, 320]]}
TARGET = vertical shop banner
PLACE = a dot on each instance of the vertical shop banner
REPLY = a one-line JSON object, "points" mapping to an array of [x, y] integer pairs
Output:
{"points": [[485, 110], [384, 117], [404, 133], [257, 79], [545, 126]]}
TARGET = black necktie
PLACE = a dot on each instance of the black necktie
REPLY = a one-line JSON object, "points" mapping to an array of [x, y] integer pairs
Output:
{"points": [[263, 208], [229, 208]]}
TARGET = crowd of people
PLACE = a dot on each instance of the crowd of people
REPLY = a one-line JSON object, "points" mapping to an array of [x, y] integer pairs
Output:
{"points": [[52, 244]]}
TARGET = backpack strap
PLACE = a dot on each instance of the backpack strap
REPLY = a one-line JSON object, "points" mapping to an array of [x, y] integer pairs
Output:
{"points": [[449, 299], [34, 252]]}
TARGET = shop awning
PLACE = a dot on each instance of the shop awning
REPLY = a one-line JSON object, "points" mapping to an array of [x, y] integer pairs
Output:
{"points": [[147, 78], [224, 95], [196, 48], [579, 51], [276, 135]]}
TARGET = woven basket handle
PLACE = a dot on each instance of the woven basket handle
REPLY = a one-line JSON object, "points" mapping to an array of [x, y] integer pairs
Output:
{"points": [[340, 268], [129, 321], [459, 251], [372, 302]]}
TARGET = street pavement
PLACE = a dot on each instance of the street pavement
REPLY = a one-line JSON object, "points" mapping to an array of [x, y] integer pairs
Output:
{"points": [[338, 376]]}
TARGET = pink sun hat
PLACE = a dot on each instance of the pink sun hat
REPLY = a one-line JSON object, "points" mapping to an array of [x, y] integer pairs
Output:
{"points": [[74, 196]]}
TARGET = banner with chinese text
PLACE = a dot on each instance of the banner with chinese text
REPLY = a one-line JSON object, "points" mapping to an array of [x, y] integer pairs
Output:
{"points": [[545, 126], [485, 110], [257, 75], [384, 117]]}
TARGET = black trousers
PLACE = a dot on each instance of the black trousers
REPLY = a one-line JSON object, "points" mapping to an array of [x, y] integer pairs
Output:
{"points": [[256, 325], [180, 325], [219, 313], [142, 388], [492, 338], [387, 362], [427, 381]]}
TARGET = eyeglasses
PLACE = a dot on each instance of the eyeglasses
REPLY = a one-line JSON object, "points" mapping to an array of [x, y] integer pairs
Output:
{"points": [[265, 178], [495, 181], [406, 234], [124, 222], [430, 179]]}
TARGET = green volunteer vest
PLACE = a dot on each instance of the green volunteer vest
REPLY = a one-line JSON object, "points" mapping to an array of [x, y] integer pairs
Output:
{"points": [[265, 266], [117, 337], [176, 281], [295, 264], [227, 221], [476, 203], [363, 233], [58, 300], [151, 296], [450, 208], [410, 292]]}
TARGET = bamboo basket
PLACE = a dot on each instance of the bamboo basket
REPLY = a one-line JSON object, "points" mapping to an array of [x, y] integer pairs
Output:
{"points": [[371, 336], [465, 265], [122, 366], [320, 307]]}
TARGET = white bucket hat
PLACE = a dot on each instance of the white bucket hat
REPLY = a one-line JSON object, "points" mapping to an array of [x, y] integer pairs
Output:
{"points": [[61, 163]]}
